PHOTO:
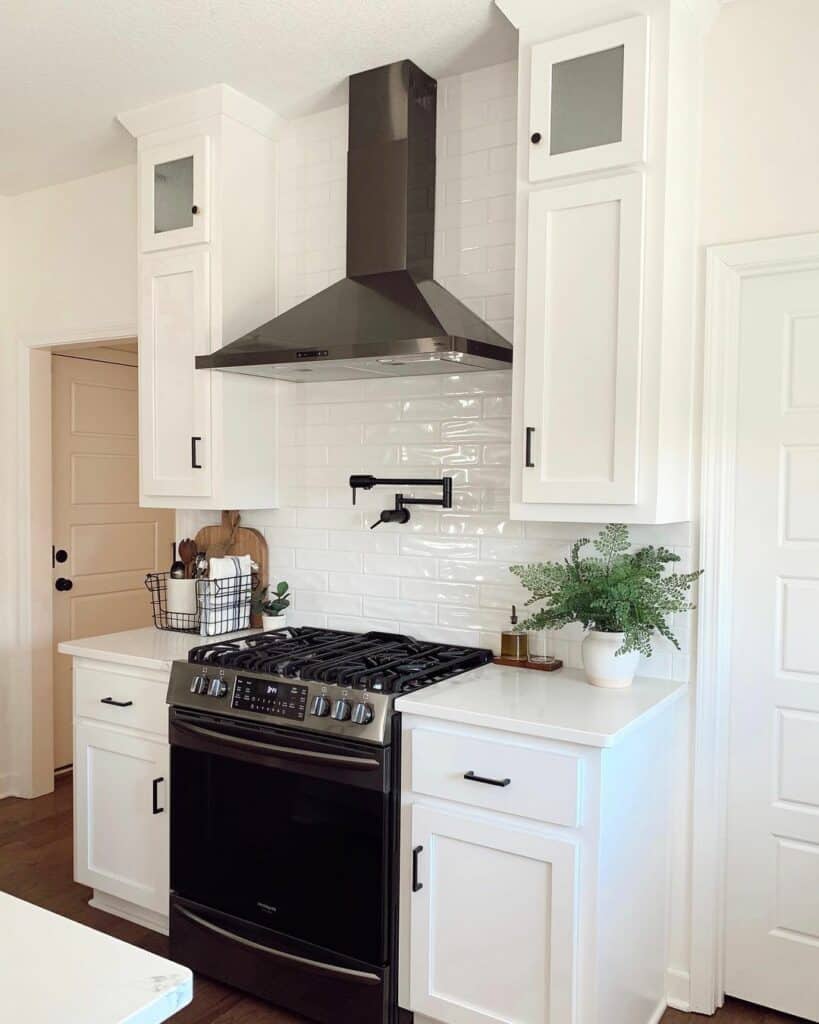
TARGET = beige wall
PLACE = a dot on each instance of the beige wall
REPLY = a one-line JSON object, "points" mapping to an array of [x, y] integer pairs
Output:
{"points": [[760, 160], [75, 257], [7, 506]]}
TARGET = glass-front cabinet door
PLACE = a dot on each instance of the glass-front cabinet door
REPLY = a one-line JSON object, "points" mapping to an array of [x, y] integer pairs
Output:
{"points": [[588, 100], [174, 194]]}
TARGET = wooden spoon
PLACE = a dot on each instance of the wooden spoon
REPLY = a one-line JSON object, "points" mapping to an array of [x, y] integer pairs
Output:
{"points": [[187, 555]]}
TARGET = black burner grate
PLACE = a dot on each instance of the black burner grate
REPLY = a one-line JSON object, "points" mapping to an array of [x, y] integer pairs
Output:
{"points": [[384, 662]]}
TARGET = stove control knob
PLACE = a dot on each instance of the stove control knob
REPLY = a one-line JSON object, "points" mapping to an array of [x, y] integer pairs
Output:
{"points": [[341, 710], [320, 707], [363, 714], [199, 684], [217, 688]]}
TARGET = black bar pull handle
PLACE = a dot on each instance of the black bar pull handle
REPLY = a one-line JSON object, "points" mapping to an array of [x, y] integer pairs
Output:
{"points": [[416, 885], [156, 808], [472, 777], [529, 432], [194, 459], [116, 703]]}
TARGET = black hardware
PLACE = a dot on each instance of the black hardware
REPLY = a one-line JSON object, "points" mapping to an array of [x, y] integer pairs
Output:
{"points": [[194, 209], [401, 514], [416, 885], [62, 584], [60, 555], [116, 703], [472, 777], [529, 432], [156, 808], [536, 137], [194, 461]]}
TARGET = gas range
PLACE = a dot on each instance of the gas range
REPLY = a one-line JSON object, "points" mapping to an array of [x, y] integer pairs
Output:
{"points": [[326, 681]]}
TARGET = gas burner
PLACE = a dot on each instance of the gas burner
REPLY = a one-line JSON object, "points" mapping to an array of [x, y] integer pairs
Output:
{"points": [[379, 662]]}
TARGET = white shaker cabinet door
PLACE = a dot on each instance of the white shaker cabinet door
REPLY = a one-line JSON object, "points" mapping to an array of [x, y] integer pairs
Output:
{"points": [[121, 793], [582, 342], [175, 397], [493, 922]]}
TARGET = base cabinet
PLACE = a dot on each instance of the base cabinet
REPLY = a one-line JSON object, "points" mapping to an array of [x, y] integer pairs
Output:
{"points": [[483, 952], [122, 790]]}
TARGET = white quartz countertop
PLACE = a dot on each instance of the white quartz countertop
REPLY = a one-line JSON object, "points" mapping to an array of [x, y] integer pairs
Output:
{"points": [[143, 648], [55, 971], [553, 705]]}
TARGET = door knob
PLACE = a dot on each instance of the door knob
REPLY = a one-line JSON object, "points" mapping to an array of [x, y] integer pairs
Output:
{"points": [[63, 584]]}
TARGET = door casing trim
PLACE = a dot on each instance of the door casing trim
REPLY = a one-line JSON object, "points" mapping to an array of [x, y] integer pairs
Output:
{"points": [[727, 267]]}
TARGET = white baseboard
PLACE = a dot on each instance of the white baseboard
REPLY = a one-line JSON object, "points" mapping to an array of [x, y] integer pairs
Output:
{"points": [[129, 911], [678, 989], [659, 1013]]}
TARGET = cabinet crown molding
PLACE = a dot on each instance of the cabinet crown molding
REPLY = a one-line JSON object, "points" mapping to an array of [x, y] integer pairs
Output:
{"points": [[563, 16], [211, 101]]}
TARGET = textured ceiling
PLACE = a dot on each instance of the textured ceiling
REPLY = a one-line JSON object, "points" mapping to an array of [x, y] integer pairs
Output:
{"points": [[67, 67]]}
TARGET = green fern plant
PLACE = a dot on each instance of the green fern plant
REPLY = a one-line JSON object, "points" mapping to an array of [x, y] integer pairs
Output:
{"points": [[616, 591]]}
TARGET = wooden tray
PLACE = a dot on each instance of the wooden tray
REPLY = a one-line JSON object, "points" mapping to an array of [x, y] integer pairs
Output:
{"points": [[538, 666], [241, 541]]}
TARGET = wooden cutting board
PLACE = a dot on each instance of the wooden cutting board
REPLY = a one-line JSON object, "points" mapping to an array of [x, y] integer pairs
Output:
{"points": [[236, 540]]}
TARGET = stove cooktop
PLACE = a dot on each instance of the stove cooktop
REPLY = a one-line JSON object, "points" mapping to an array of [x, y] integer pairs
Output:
{"points": [[379, 662], [323, 680]]}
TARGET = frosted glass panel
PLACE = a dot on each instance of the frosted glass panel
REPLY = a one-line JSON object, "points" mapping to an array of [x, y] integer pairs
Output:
{"points": [[587, 101], [173, 195]]}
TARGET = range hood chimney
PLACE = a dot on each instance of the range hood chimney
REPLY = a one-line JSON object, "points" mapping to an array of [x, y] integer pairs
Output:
{"points": [[387, 317]]}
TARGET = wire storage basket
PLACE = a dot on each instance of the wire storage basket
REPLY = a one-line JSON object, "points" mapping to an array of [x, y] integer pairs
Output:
{"points": [[207, 607]]}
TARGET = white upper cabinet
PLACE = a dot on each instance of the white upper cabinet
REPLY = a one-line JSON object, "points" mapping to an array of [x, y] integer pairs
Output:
{"points": [[588, 100], [175, 400], [582, 381], [207, 276], [174, 193], [608, 134]]}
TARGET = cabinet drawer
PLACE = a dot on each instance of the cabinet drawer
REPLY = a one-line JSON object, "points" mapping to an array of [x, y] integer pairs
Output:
{"points": [[120, 699], [541, 784]]}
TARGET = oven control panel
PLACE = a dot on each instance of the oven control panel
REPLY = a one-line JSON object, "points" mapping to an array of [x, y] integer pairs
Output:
{"points": [[282, 700]]}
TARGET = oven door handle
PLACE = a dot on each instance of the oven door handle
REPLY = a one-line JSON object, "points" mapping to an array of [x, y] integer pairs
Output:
{"points": [[363, 976], [313, 756]]}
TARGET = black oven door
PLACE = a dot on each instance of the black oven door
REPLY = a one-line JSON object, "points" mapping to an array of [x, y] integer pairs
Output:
{"points": [[285, 831]]}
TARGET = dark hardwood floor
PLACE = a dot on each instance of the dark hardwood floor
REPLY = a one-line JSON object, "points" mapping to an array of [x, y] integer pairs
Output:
{"points": [[36, 865]]}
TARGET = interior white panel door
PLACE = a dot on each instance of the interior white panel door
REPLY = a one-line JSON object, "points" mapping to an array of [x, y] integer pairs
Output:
{"points": [[175, 397], [121, 828], [582, 348], [772, 955], [493, 924]]}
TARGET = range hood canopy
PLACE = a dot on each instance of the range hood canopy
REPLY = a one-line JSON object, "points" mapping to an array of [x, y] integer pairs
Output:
{"points": [[387, 317]]}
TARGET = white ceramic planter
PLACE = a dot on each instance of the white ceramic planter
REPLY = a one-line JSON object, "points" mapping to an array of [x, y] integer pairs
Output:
{"points": [[604, 667], [274, 621]]}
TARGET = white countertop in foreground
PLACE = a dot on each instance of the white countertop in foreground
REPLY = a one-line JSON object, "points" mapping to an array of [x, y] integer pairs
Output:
{"points": [[552, 705], [55, 971], [143, 648]]}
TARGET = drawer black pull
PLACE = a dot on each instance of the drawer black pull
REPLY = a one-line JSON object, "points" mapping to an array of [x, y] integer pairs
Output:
{"points": [[472, 777], [156, 808], [116, 703], [529, 432], [416, 885], [195, 464]]}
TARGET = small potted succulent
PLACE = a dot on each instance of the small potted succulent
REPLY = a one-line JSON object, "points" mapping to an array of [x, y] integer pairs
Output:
{"points": [[272, 602], [621, 597]]}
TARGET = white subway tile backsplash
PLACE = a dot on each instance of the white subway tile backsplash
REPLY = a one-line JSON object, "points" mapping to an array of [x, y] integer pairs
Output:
{"points": [[371, 586], [445, 575], [408, 611]]}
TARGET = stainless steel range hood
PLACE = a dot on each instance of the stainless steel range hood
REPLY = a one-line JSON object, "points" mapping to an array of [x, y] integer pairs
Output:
{"points": [[387, 317]]}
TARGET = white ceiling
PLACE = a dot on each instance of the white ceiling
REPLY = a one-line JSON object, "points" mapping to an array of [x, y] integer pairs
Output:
{"points": [[67, 67]]}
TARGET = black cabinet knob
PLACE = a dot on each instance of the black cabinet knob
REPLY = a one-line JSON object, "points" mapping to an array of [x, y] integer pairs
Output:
{"points": [[63, 584], [194, 209], [536, 137]]}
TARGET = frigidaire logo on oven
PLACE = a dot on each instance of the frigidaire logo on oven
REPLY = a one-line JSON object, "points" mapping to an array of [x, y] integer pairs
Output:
{"points": [[267, 907]]}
